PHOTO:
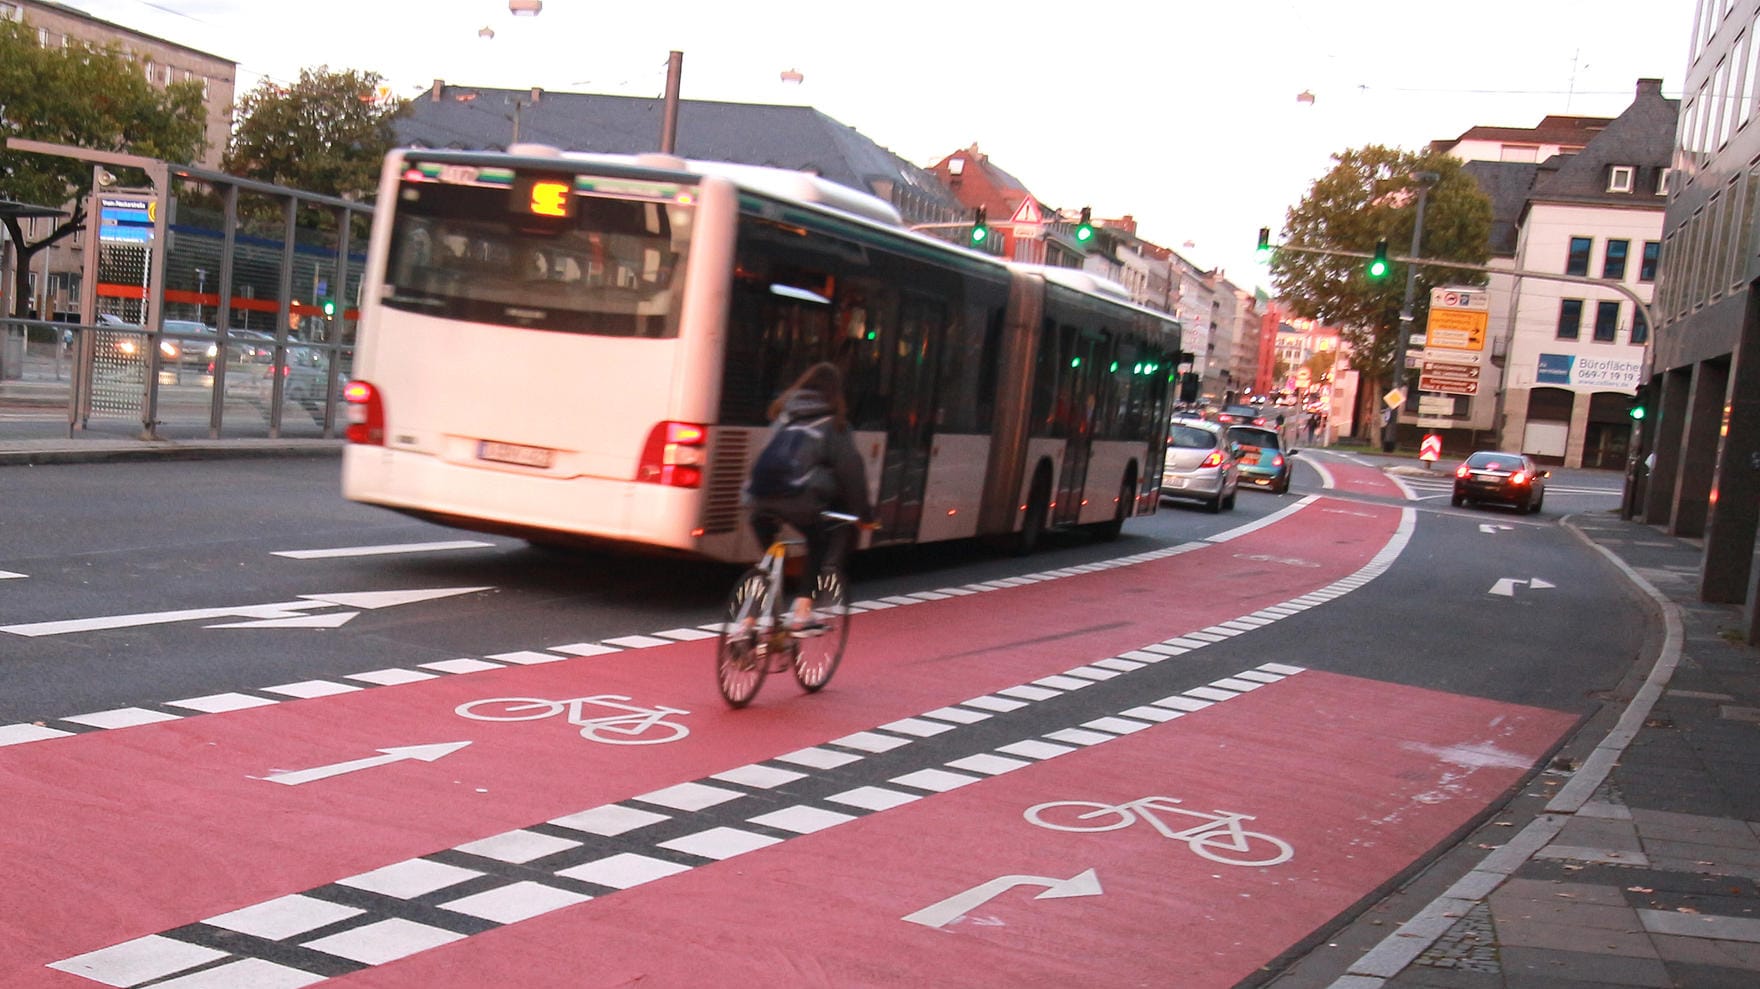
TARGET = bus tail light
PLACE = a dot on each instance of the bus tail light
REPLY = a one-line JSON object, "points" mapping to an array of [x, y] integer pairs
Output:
{"points": [[366, 414], [674, 455]]}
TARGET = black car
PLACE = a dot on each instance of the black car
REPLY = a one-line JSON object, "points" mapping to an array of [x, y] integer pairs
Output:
{"points": [[1506, 478], [1264, 459]]}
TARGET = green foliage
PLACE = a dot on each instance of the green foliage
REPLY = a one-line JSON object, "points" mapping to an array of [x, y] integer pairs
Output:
{"points": [[1369, 195], [86, 97], [325, 133]]}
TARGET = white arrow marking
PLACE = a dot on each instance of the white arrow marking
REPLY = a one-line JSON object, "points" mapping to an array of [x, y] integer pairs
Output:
{"points": [[1507, 586], [9, 575], [336, 620], [278, 614], [386, 599], [1494, 529], [960, 904], [426, 753]]}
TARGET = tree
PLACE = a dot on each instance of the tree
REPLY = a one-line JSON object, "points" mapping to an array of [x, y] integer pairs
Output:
{"points": [[87, 97], [1370, 195], [327, 133]]}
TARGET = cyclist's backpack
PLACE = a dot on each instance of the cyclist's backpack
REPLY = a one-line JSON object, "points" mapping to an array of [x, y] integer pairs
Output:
{"points": [[793, 461]]}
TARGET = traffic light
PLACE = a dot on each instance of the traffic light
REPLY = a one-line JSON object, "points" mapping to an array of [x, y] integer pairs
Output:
{"points": [[1638, 407], [329, 308], [1378, 267], [980, 227], [1085, 229], [1264, 250]]}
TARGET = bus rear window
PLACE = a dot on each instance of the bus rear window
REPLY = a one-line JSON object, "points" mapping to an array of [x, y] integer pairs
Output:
{"points": [[613, 268]]}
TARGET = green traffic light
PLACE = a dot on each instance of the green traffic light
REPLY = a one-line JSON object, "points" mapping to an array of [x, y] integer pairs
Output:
{"points": [[329, 307], [1378, 267], [1637, 412], [1264, 249], [979, 234]]}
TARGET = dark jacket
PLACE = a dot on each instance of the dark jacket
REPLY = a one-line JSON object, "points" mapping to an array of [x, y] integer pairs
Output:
{"points": [[847, 476]]}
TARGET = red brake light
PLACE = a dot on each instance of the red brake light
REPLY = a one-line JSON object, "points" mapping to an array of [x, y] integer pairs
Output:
{"points": [[1461, 471], [1213, 460], [1277, 461], [366, 414], [674, 455], [1519, 477]]}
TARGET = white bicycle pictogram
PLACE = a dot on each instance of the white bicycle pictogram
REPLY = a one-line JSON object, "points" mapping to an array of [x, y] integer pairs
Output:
{"points": [[631, 725], [1220, 838]]}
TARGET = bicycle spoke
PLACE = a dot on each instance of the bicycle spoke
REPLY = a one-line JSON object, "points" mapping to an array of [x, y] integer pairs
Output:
{"points": [[740, 662], [816, 657]]}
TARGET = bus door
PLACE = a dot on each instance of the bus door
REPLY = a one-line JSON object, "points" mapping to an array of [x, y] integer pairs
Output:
{"points": [[1077, 399], [908, 374]]}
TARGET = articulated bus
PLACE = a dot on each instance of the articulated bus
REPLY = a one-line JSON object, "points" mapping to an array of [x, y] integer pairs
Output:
{"points": [[579, 348]]}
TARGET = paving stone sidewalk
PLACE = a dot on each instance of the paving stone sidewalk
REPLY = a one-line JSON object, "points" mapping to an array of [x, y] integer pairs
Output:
{"points": [[1651, 879]]}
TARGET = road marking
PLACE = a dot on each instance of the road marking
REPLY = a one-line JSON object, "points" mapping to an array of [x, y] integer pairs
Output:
{"points": [[277, 614], [9, 575], [426, 753], [1487, 527], [1507, 586], [386, 550], [964, 902]]}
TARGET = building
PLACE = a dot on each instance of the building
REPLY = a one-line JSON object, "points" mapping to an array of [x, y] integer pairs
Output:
{"points": [[1023, 228], [792, 137], [162, 62], [1555, 376], [1696, 471]]}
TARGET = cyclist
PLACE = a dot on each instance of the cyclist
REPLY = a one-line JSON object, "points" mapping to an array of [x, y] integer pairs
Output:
{"points": [[839, 482]]}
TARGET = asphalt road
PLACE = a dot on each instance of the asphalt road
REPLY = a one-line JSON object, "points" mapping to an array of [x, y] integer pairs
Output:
{"points": [[1357, 669]]}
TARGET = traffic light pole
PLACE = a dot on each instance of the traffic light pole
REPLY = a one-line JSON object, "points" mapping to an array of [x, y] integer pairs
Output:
{"points": [[1406, 318]]}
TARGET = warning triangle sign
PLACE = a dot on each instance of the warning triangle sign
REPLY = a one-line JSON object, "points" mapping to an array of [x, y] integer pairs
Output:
{"points": [[1027, 212]]}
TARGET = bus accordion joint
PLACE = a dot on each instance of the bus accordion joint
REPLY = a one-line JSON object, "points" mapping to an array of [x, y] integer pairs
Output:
{"points": [[366, 414], [674, 455]]}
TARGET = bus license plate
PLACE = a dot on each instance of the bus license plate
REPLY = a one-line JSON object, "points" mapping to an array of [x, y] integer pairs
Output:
{"points": [[513, 453]]}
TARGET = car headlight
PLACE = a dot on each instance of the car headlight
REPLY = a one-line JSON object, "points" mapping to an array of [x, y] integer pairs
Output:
{"points": [[168, 349]]}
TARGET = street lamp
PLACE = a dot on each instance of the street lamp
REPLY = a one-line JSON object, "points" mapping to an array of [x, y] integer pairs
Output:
{"points": [[1425, 180]]}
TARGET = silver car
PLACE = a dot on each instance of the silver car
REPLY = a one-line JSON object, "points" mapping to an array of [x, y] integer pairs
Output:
{"points": [[1203, 464]]}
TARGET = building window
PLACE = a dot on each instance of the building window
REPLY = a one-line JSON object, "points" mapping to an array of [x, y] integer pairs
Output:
{"points": [[42, 37], [1606, 321], [1640, 328], [11, 12], [1578, 261], [1619, 178], [1570, 318], [1614, 266], [1662, 181]]}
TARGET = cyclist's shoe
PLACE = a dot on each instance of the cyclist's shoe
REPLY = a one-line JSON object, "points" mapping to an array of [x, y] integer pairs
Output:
{"points": [[806, 629]]}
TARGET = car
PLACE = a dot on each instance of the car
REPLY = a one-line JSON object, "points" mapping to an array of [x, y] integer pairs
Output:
{"points": [[1202, 465], [1506, 478], [1265, 462], [183, 343], [305, 379], [1230, 415]]}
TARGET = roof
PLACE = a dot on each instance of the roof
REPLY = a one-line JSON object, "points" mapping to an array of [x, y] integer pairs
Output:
{"points": [[790, 137], [1642, 137], [1507, 184], [1552, 129]]}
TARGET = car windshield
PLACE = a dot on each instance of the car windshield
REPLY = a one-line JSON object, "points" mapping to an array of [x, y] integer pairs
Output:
{"points": [[1191, 438], [1494, 461], [1264, 439]]}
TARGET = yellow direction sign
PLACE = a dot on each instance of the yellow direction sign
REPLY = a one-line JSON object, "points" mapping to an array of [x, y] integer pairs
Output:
{"points": [[1456, 329]]}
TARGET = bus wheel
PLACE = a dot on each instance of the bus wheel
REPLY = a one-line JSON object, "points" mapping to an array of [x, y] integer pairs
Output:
{"points": [[1127, 495], [1038, 509]]}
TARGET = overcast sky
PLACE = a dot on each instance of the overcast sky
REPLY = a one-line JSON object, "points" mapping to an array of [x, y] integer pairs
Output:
{"points": [[1182, 113]]}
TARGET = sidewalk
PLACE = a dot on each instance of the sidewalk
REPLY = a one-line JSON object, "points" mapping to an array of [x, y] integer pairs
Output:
{"points": [[1640, 865]]}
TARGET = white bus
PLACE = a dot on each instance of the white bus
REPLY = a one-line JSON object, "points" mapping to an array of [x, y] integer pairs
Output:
{"points": [[580, 349]]}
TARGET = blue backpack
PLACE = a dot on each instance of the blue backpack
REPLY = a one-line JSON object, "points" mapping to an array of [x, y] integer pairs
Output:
{"points": [[793, 461]]}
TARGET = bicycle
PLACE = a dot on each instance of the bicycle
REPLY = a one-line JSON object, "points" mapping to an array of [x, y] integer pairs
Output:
{"points": [[635, 722], [1221, 833], [755, 638]]}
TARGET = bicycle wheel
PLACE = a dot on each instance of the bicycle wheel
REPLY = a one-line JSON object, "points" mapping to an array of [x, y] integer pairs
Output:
{"points": [[510, 709], [816, 657], [1080, 815], [740, 659], [1247, 849]]}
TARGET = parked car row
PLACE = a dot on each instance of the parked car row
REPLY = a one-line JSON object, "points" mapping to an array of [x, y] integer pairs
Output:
{"points": [[250, 359]]}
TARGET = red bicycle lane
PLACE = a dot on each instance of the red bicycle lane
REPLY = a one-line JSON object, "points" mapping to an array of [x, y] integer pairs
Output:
{"points": [[1356, 778], [172, 823]]}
